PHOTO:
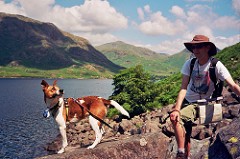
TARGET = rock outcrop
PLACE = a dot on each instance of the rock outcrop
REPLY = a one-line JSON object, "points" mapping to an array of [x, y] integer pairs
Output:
{"points": [[150, 135]]}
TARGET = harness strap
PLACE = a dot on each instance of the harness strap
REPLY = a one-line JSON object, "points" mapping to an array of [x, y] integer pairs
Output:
{"points": [[54, 109], [66, 107], [92, 114]]}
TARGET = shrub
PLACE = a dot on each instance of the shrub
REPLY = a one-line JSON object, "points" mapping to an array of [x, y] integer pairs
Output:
{"points": [[135, 90]]}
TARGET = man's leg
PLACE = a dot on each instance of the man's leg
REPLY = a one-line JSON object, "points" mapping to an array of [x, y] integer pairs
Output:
{"points": [[188, 128], [187, 145], [179, 134], [188, 115], [180, 137]]}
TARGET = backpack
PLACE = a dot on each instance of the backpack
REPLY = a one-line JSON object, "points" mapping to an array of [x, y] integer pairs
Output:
{"points": [[218, 85]]}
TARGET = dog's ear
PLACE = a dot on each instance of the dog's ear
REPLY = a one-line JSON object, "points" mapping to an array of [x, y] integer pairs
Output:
{"points": [[54, 83], [44, 84]]}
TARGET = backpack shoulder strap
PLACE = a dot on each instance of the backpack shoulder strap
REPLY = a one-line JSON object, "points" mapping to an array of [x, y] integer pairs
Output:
{"points": [[217, 85], [212, 70], [192, 65]]}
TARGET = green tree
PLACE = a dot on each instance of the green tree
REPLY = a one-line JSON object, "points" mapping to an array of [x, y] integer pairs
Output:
{"points": [[135, 90], [169, 88]]}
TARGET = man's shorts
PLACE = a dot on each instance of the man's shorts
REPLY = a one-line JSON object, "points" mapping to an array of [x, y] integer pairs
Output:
{"points": [[189, 114]]}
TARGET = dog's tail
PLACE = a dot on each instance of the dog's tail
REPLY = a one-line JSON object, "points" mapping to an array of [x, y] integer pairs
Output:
{"points": [[117, 106]]}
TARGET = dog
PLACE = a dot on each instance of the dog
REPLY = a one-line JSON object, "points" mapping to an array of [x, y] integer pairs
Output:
{"points": [[72, 110]]}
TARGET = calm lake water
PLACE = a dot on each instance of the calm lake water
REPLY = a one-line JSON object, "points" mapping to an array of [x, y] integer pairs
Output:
{"points": [[23, 130]]}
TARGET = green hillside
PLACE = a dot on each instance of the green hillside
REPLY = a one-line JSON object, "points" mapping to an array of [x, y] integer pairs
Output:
{"points": [[121, 49], [177, 60], [230, 57], [156, 63]]}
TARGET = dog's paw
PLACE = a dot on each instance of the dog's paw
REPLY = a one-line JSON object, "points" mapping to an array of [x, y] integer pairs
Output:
{"points": [[61, 151], [91, 147]]}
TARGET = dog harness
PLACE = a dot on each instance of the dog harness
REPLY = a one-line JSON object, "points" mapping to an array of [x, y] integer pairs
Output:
{"points": [[66, 106], [54, 109]]}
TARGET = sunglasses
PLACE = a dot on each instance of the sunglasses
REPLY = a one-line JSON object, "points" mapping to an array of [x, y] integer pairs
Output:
{"points": [[198, 46]]}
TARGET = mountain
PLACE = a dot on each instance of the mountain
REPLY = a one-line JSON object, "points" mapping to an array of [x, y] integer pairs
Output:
{"points": [[177, 60], [121, 49], [28, 43], [157, 63]]}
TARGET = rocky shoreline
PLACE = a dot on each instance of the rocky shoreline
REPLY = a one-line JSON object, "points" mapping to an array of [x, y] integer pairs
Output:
{"points": [[150, 135]]}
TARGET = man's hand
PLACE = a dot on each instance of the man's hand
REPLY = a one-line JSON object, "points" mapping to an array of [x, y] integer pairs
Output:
{"points": [[175, 116]]}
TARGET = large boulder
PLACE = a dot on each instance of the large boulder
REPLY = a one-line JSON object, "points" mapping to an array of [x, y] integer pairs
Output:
{"points": [[151, 145], [226, 145]]}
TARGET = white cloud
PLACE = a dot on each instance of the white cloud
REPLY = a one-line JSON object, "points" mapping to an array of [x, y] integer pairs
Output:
{"points": [[222, 42], [204, 30], [226, 22], [198, 19], [11, 8], [147, 9], [140, 13], [175, 46], [236, 6], [157, 24], [98, 39], [35, 8], [179, 12], [166, 46], [199, 15], [93, 16]]}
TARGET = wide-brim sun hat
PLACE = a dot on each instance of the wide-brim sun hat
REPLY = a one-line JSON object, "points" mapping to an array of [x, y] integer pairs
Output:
{"points": [[197, 39]]}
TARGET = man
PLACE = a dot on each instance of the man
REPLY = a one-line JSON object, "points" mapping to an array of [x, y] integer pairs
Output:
{"points": [[198, 86]]}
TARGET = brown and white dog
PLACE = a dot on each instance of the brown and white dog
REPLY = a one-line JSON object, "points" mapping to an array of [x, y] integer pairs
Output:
{"points": [[95, 104]]}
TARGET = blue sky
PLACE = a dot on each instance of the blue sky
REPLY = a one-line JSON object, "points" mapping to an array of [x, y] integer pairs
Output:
{"points": [[159, 25]]}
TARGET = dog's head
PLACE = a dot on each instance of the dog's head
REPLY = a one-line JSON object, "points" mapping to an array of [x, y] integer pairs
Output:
{"points": [[51, 93]]}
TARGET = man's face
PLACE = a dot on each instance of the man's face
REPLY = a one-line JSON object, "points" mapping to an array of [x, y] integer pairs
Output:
{"points": [[200, 50]]}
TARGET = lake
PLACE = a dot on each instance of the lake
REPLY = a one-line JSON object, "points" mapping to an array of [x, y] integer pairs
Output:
{"points": [[23, 130]]}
